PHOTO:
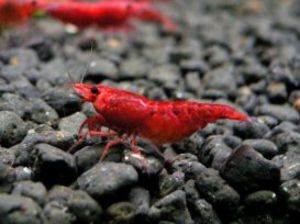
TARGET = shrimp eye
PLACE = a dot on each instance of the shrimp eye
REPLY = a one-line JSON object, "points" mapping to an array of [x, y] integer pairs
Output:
{"points": [[94, 90]]}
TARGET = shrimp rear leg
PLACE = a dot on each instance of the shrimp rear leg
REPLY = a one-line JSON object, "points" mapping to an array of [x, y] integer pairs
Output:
{"points": [[136, 150]]}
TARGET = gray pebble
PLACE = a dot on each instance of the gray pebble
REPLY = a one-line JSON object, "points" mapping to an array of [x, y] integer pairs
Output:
{"points": [[134, 68], [220, 79], [282, 113], [12, 128], [23, 56], [55, 72], [41, 112], [107, 178], [167, 75], [72, 123], [248, 170], [102, 68], [17, 209], [56, 212], [34, 190], [53, 166]]}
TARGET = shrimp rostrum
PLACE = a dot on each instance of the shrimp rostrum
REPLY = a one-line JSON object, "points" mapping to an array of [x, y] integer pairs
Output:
{"points": [[129, 115]]}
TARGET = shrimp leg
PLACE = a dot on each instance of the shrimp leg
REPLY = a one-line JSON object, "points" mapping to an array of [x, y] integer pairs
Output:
{"points": [[136, 150], [117, 141]]}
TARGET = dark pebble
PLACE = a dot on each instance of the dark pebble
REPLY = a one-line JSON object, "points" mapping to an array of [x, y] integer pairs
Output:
{"points": [[149, 165], [290, 190], [171, 208], [17, 209], [188, 164], [102, 68], [12, 128], [193, 82], [267, 148], [221, 79], [20, 56], [134, 68], [289, 164], [140, 198], [53, 166], [171, 183], [54, 72], [248, 171], [216, 191], [7, 178], [194, 66], [59, 193], [121, 212], [42, 113], [56, 212], [64, 101], [204, 213], [261, 201], [107, 178], [253, 129], [166, 75], [56, 138], [34, 190], [87, 157], [282, 113], [216, 56], [277, 93], [84, 208], [214, 152], [191, 192], [42, 47], [23, 173], [190, 145]]}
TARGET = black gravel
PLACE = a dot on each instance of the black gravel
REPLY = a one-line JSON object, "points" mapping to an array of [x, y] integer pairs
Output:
{"points": [[241, 53]]}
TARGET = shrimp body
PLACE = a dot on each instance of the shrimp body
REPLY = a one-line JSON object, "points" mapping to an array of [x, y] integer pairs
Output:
{"points": [[105, 14], [159, 122]]}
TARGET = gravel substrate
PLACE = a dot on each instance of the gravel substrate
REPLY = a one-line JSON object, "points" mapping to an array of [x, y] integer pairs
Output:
{"points": [[242, 53]]}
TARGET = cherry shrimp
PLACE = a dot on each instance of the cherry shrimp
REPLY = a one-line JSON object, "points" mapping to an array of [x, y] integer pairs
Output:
{"points": [[106, 14], [14, 12], [128, 115]]}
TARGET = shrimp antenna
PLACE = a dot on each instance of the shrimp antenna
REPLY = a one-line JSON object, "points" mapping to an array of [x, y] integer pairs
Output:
{"points": [[69, 76], [87, 65]]}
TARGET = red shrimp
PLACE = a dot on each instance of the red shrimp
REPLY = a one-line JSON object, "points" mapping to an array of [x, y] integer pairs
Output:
{"points": [[105, 14], [13, 12], [129, 115]]}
